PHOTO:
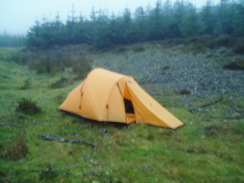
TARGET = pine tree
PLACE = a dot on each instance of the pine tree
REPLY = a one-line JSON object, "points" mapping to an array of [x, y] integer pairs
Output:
{"points": [[140, 24], [191, 24], [156, 22], [208, 17]]}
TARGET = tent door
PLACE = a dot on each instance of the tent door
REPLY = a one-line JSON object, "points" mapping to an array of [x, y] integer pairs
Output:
{"points": [[129, 109]]}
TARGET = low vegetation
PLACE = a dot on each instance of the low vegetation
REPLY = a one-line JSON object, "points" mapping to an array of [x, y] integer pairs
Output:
{"points": [[17, 148], [37, 146], [27, 106], [56, 59], [190, 60], [236, 65]]}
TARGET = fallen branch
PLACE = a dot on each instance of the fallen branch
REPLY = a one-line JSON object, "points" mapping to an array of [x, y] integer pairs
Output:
{"points": [[59, 139], [49, 170], [213, 102]]}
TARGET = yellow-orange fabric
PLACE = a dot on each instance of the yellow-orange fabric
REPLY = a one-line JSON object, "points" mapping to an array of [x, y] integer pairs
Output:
{"points": [[101, 96]]}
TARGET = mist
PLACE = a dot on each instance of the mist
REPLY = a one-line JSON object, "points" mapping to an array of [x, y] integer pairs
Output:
{"points": [[18, 16]]}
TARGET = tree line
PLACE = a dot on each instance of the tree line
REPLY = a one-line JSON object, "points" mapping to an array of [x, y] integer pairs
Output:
{"points": [[8, 40], [165, 20]]}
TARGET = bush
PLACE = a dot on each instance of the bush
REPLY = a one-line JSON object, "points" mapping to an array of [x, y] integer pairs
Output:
{"points": [[236, 65], [27, 84], [240, 48], [165, 68], [223, 40], [81, 66], [60, 83], [27, 106], [184, 92], [56, 59], [138, 48], [20, 57], [120, 49], [46, 62]]}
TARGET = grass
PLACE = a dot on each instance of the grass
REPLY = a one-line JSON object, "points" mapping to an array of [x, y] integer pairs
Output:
{"points": [[8, 53], [209, 148]]}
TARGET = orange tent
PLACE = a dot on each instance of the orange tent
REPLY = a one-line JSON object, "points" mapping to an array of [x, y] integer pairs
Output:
{"points": [[113, 97]]}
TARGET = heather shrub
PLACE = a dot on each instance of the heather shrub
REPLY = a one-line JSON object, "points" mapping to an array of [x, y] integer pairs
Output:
{"points": [[27, 106]]}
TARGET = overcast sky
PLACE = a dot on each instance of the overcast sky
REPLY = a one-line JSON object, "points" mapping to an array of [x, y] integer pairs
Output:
{"points": [[17, 16]]}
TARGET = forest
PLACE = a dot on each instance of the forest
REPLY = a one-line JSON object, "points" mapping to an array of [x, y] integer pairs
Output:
{"points": [[164, 21], [8, 40]]}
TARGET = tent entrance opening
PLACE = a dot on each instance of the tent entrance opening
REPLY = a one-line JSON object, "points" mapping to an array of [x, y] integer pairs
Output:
{"points": [[129, 109]]}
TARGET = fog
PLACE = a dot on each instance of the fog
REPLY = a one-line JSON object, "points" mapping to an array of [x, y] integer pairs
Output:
{"points": [[17, 16]]}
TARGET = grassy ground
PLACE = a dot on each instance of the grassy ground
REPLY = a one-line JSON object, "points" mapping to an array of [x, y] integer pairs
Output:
{"points": [[209, 148]]}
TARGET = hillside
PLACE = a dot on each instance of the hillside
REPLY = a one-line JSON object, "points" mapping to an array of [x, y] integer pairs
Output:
{"points": [[177, 68], [192, 84]]}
